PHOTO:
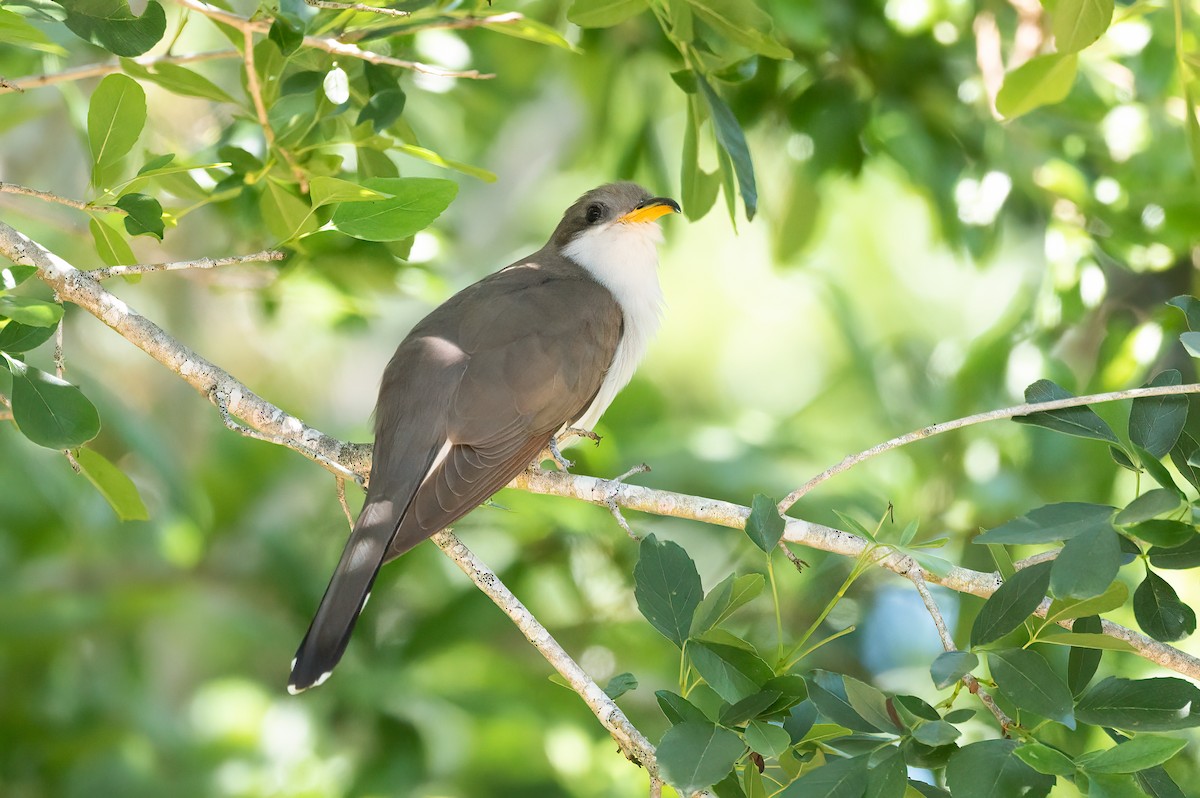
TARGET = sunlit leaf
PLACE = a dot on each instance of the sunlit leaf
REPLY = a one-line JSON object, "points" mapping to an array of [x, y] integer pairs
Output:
{"points": [[1137, 753], [116, 116], [1079, 23], [1042, 80], [30, 310], [415, 203], [604, 13], [17, 337], [116, 488]]}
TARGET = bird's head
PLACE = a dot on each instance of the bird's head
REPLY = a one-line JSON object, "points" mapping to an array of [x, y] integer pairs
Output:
{"points": [[611, 218]]}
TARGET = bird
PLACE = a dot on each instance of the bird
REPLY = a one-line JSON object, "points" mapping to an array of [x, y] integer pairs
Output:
{"points": [[489, 380]]}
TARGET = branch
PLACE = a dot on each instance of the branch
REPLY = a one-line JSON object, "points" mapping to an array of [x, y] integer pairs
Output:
{"points": [[389, 12], [96, 70], [180, 265], [992, 415], [255, 92], [632, 742], [332, 46], [46, 196]]}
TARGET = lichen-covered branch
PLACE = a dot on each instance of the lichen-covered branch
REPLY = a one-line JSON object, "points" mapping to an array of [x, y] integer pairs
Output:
{"points": [[99, 70], [182, 265], [49, 196]]}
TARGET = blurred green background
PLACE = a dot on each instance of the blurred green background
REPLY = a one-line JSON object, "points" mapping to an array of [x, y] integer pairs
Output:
{"points": [[914, 260]]}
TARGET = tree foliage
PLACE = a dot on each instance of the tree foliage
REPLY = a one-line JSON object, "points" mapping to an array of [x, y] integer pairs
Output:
{"points": [[990, 201]]}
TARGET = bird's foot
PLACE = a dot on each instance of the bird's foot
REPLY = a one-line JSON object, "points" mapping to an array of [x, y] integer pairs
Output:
{"points": [[582, 433], [563, 463], [610, 498]]}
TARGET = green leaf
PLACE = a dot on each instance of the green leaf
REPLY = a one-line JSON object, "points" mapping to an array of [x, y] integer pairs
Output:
{"points": [[429, 156], [1115, 595], [1161, 704], [116, 116], [1081, 422], [415, 203], [1042, 80], [990, 769], [1051, 523], [733, 142], [620, 684], [112, 25], [698, 189], [827, 691], [49, 411], [750, 707], [1150, 504], [1028, 681], [1156, 783], [767, 739], [678, 709], [694, 756], [666, 586], [960, 715], [1191, 342], [1045, 759], [837, 778], [177, 80], [1156, 421], [325, 190], [935, 733], [1079, 23], [1159, 611], [764, 525], [17, 337], [1161, 532], [869, 703], [888, 778], [143, 215], [383, 109], [742, 22], [1191, 310], [1176, 557], [31, 311], [1083, 661], [731, 593], [1096, 641], [1137, 753], [528, 29], [111, 246], [286, 215], [287, 35], [13, 275], [1011, 604], [604, 13], [950, 666], [1087, 564], [1111, 785], [15, 30], [733, 672], [116, 488]]}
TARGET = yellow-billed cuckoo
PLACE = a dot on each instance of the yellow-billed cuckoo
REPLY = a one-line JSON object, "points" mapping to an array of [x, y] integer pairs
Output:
{"points": [[485, 382]]}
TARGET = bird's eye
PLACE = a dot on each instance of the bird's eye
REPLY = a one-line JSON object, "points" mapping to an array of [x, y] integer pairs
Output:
{"points": [[594, 212]]}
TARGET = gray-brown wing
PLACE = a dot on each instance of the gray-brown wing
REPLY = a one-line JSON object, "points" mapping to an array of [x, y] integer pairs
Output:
{"points": [[537, 358]]}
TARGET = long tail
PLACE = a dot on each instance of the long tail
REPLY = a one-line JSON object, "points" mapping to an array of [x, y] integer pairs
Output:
{"points": [[345, 597]]}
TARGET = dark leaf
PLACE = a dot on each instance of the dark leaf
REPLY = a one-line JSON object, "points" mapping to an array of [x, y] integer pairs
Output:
{"points": [[827, 691], [620, 684], [678, 709], [765, 524], [1028, 681], [767, 739], [935, 733], [1163, 533], [143, 215], [1051, 523], [1156, 421], [112, 25], [666, 586], [694, 756], [733, 672], [720, 602], [1011, 604], [800, 720], [1083, 662], [1087, 564], [1177, 557], [1079, 421], [749, 707], [837, 778], [17, 337], [1150, 504], [1159, 610], [384, 108], [888, 778], [733, 142], [950, 666], [49, 411], [990, 769], [287, 35], [1191, 310], [1161, 704]]}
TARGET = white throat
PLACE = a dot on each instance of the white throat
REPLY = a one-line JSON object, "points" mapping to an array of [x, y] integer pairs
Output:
{"points": [[624, 259]]}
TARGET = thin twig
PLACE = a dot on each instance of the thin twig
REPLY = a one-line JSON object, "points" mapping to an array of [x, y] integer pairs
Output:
{"points": [[917, 576], [328, 4], [341, 494], [47, 196], [97, 70], [180, 265], [611, 503], [260, 109], [464, 23], [332, 46], [631, 741], [1026, 409], [59, 365], [7, 85]]}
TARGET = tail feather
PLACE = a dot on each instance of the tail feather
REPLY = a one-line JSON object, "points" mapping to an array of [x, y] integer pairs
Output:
{"points": [[345, 597]]}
